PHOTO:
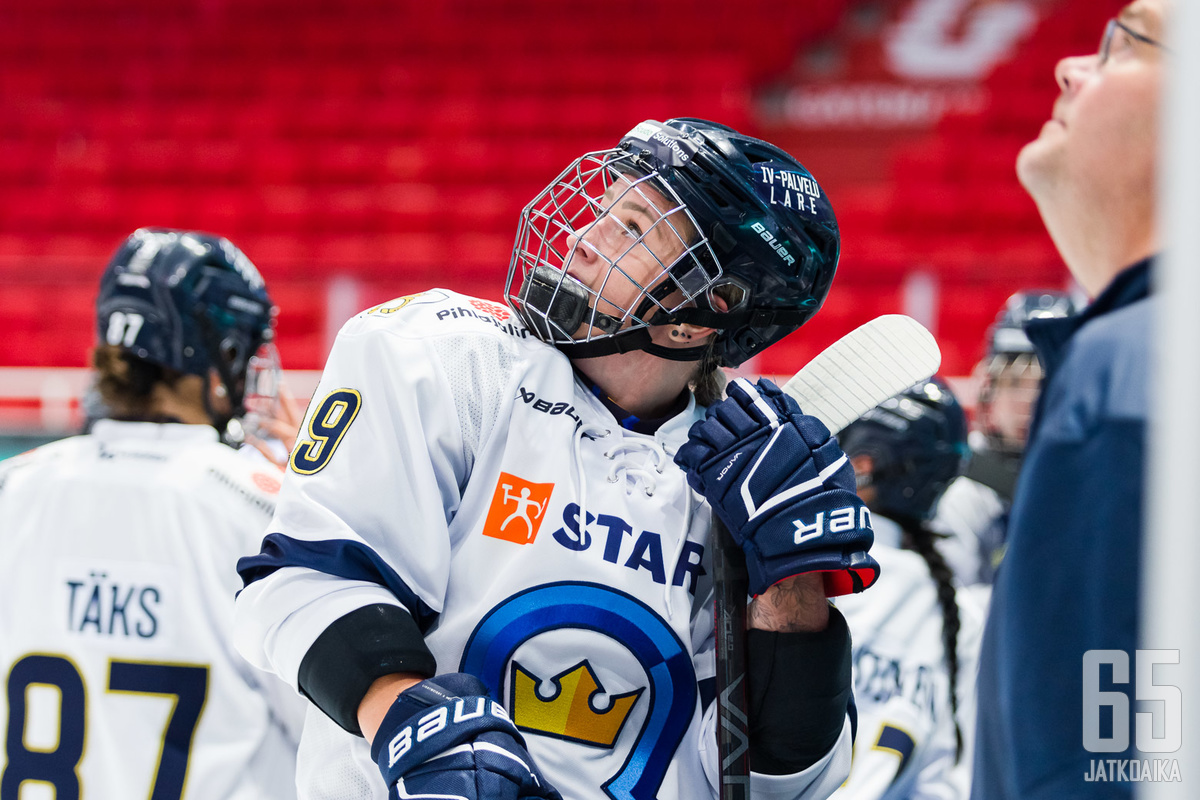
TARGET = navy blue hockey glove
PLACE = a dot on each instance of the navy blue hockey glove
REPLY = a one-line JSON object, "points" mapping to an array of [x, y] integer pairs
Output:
{"points": [[784, 488], [444, 737]]}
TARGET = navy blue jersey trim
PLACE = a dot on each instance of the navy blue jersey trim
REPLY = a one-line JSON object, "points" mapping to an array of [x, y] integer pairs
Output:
{"points": [[630, 421], [340, 557]]}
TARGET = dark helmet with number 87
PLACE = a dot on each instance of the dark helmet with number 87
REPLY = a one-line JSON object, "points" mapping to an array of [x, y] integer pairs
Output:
{"points": [[737, 235], [186, 301]]}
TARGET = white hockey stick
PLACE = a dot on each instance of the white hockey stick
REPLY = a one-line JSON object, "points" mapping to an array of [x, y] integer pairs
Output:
{"points": [[862, 369], [844, 381]]}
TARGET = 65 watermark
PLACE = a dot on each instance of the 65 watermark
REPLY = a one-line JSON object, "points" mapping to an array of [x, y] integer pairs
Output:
{"points": [[1157, 728]]}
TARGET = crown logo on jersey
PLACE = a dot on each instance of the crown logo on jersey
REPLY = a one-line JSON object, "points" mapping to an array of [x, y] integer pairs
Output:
{"points": [[570, 713]]}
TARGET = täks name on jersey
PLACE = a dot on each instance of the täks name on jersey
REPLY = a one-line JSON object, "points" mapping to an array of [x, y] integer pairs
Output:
{"points": [[105, 606]]}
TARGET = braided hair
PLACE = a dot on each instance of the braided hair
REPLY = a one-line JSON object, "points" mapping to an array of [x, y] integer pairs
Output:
{"points": [[917, 443], [919, 538]]}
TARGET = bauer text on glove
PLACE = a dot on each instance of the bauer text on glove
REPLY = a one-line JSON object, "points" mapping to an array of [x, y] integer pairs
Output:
{"points": [[444, 737], [784, 488]]}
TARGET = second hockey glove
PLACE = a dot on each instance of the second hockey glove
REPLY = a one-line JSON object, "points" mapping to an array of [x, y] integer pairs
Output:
{"points": [[784, 488], [444, 737]]}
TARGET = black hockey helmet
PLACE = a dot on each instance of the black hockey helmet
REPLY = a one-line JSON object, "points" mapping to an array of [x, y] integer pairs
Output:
{"points": [[187, 301], [1012, 366], [917, 441], [1007, 334], [736, 218]]}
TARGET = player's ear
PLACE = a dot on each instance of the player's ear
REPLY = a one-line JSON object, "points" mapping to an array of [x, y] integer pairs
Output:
{"points": [[216, 387], [692, 334], [689, 335], [218, 395]]}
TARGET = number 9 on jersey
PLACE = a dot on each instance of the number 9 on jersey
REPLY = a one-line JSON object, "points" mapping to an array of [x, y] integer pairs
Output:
{"points": [[326, 427]]}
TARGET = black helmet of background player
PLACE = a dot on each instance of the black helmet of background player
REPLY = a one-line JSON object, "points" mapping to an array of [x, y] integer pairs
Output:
{"points": [[187, 302], [1010, 373], [754, 244], [914, 445]]}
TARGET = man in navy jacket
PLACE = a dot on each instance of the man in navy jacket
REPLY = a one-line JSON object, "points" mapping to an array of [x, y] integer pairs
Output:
{"points": [[1069, 581]]}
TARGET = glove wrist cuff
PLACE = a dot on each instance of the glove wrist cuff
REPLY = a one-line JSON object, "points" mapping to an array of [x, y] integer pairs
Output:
{"points": [[413, 731]]}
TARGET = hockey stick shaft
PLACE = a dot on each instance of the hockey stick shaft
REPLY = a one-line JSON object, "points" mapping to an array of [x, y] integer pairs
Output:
{"points": [[850, 377], [731, 585]]}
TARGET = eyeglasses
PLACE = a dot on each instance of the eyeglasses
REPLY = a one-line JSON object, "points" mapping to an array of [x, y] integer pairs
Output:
{"points": [[1111, 29]]}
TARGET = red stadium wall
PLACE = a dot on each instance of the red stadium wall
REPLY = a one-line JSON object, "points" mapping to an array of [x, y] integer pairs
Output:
{"points": [[363, 149]]}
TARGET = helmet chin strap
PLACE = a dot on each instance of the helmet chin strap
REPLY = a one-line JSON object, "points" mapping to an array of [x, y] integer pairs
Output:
{"points": [[220, 421], [566, 303], [627, 342]]}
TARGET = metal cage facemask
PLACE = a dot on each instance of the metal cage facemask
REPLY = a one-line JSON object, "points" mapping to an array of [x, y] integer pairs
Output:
{"points": [[261, 396], [1009, 388], [602, 252]]}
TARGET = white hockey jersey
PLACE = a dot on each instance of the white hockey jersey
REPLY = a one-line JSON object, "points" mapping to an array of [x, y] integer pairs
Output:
{"points": [[117, 562], [454, 465], [973, 518], [905, 746]]}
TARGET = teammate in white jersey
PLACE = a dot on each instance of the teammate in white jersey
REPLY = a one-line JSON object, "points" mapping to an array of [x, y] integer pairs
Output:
{"points": [[117, 551], [915, 637], [486, 494], [973, 513]]}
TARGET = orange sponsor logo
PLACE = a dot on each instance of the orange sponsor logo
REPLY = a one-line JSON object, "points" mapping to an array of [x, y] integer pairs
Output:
{"points": [[499, 312], [517, 509], [266, 483]]}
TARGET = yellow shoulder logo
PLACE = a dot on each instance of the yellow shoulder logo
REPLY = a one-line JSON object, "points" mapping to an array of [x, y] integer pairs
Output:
{"points": [[392, 306]]}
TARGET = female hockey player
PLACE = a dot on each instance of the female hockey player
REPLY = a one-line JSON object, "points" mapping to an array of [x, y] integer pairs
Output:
{"points": [[916, 637], [116, 550], [973, 513], [487, 570]]}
